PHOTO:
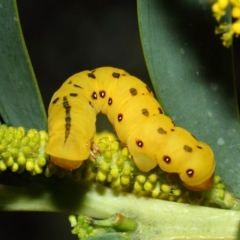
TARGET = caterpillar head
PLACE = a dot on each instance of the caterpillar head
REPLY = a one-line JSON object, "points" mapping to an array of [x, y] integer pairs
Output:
{"points": [[174, 149], [191, 159]]}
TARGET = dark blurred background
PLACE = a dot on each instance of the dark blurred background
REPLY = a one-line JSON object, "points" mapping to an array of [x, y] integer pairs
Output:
{"points": [[64, 37]]}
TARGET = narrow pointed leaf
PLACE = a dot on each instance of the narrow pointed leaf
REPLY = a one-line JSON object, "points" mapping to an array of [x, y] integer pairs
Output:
{"points": [[193, 76], [20, 99]]}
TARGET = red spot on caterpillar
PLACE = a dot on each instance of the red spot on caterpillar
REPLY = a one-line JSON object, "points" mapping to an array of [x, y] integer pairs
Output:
{"points": [[94, 95], [120, 117], [102, 94], [166, 159], [139, 143]]}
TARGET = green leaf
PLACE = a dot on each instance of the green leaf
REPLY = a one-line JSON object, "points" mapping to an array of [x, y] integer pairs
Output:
{"points": [[20, 99], [193, 76]]}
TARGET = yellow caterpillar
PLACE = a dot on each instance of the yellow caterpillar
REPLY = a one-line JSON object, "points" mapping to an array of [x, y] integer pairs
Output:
{"points": [[140, 123]]}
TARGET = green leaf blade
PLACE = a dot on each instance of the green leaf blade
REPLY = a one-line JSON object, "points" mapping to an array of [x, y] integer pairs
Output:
{"points": [[20, 99], [193, 77]]}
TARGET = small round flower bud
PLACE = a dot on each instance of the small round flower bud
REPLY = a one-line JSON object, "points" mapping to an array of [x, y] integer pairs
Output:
{"points": [[3, 147], [31, 133], [36, 138], [126, 170], [41, 161], [125, 152], [104, 166], [25, 140], [20, 132], [222, 3], [101, 176], [14, 167], [141, 178], [114, 145], [9, 162], [108, 154], [236, 12], [37, 169], [8, 137], [114, 172], [14, 152], [125, 180], [16, 143], [21, 160], [3, 166], [26, 150], [6, 155], [138, 186], [148, 186], [29, 165], [116, 182], [176, 192], [152, 177], [165, 188]]}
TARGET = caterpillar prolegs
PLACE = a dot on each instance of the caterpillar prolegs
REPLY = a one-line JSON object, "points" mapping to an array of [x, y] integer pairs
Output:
{"points": [[139, 121]]}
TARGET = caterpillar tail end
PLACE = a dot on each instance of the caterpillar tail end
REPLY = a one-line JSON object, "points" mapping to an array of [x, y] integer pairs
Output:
{"points": [[201, 187]]}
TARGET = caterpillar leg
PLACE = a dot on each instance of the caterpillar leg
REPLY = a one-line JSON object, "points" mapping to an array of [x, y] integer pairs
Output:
{"points": [[143, 163], [95, 148]]}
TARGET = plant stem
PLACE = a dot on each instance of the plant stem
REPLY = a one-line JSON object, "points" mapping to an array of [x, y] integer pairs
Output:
{"points": [[156, 218]]}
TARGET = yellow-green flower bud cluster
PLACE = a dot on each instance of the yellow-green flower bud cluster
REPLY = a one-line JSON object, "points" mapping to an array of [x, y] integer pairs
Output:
{"points": [[21, 150], [157, 184], [228, 30], [81, 226], [115, 168], [111, 228]]}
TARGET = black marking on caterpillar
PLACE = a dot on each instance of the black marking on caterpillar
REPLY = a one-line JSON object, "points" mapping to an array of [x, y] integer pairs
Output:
{"points": [[161, 131], [133, 91], [91, 75], [160, 110], [145, 112], [73, 94], [90, 104], [148, 88], [187, 148], [77, 86], [55, 100], [116, 75], [67, 118]]}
